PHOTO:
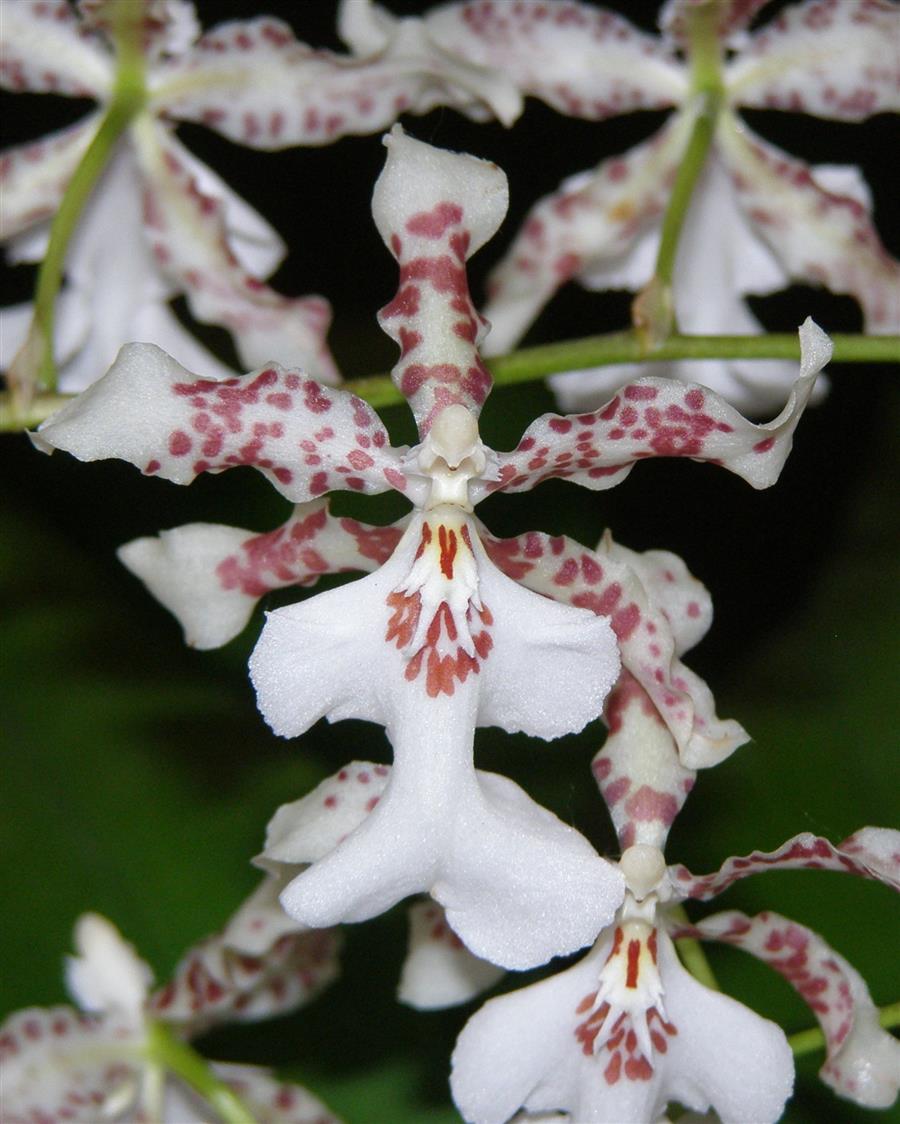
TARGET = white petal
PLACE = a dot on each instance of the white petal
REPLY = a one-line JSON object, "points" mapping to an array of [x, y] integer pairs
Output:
{"points": [[725, 1056], [439, 971], [520, 886], [256, 244], [149, 410], [591, 227], [872, 852], [434, 209], [34, 178], [487, 853], [211, 576], [190, 238], [521, 1050], [53, 1058], [863, 1059], [107, 974], [254, 82], [720, 258], [551, 51], [45, 51], [310, 828], [599, 450], [576, 652], [269, 1100], [833, 60], [176, 567], [506, 1049], [819, 238]]}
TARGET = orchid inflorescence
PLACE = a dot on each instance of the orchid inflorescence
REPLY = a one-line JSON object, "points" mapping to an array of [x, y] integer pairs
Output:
{"points": [[451, 627]]}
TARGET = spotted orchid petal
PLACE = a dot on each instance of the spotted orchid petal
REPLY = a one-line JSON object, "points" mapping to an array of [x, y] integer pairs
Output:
{"points": [[721, 259], [60, 1065], [439, 971], [878, 849], [818, 236], [863, 1060], [656, 417], [656, 609], [835, 60], [289, 94], [308, 829], [457, 644], [596, 223], [166, 28], [261, 965], [560, 1044], [34, 177], [872, 852], [100, 307], [638, 769], [210, 577], [269, 1100], [551, 51], [434, 209], [188, 237], [304, 437], [434, 75], [45, 49]]}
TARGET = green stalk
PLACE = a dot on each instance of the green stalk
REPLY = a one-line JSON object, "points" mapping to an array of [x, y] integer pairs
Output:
{"points": [[127, 99], [808, 1041], [691, 954], [166, 1050], [653, 313], [533, 363]]}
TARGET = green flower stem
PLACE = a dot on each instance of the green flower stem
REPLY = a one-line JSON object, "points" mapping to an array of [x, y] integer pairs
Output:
{"points": [[128, 97], [691, 953], [653, 312], [175, 1056], [706, 84], [808, 1041], [533, 363]]}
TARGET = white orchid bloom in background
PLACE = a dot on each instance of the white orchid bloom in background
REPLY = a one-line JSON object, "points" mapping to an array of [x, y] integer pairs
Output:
{"points": [[628, 1029], [61, 1064], [760, 218], [438, 639], [159, 223]]}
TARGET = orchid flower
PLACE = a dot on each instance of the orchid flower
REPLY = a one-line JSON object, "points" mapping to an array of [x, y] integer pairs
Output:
{"points": [[628, 1029], [656, 588], [160, 223], [437, 640], [759, 218], [120, 1055]]}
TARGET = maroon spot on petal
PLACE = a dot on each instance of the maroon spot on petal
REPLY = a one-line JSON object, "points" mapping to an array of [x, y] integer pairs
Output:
{"points": [[179, 443], [636, 393], [434, 223]]}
